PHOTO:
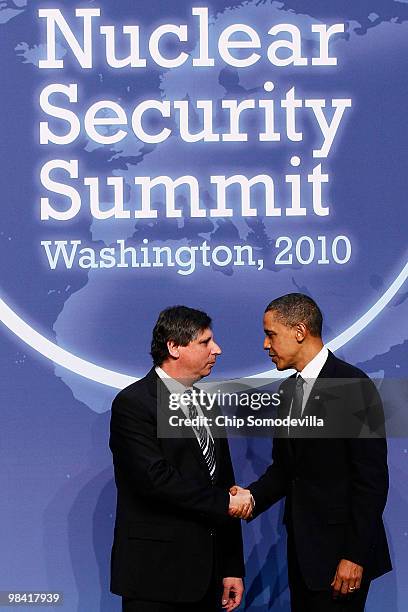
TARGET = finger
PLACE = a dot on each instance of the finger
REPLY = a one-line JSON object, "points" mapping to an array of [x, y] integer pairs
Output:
{"points": [[247, 514], [238, 597], [240, 513], [232, 600], [243, 511], [248, 508], [230, 605], [351, 586], [345, 587], [225, 597], [234, 490], [251, 510], [357, 583], [233, 512], [233, 506], [336, 585]]}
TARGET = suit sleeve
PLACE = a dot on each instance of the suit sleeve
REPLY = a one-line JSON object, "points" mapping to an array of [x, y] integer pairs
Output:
{"points": [[136, 452], [272, 485], [231, 562], [369, 480]]}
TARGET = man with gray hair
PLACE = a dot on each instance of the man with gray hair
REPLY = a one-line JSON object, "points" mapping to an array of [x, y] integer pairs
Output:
{"points": [[335, 484]]}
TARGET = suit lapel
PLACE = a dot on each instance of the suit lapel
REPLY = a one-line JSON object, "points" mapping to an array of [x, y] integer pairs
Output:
{"points": [[161, 397], [323, 390], [315, 405], [323, 396], [286, 393]]}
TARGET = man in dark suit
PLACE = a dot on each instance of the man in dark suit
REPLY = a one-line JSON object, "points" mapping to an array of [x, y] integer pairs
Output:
{"points": [[175, 546], [335, 482]]}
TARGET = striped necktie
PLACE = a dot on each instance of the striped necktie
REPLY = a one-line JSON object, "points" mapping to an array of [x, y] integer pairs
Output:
{"points": [[204, 439]]}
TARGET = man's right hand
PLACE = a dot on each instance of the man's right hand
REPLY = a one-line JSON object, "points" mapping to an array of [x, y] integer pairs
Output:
{"points": [[241, 505]]}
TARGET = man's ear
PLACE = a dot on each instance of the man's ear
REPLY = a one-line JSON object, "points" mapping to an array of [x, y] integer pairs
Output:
{"points": [[173, 349], [300, 332]]}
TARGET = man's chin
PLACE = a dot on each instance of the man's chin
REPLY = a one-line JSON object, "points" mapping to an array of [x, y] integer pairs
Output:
{"points": [[279, 366]]}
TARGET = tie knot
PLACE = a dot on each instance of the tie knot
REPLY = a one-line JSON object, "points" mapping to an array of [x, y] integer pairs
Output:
{"points": [[187, 396], [299, 382], [189, 403]]}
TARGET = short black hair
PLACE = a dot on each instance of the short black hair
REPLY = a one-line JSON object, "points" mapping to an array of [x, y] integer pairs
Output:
{"points": [[179, 324], [294, 308]]}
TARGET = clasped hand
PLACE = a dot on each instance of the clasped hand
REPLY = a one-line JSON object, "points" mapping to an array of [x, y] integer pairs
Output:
{"points": [[241, 503]]}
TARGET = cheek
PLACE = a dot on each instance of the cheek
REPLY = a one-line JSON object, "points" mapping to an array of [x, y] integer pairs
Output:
{"points": [[202, 356]]}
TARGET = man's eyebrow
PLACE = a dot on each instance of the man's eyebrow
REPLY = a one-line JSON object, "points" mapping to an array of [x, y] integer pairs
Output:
{"points": [[205, 340]]}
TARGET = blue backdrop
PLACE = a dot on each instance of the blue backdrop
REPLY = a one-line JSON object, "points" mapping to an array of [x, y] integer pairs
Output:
{"points": [[58, 497]]}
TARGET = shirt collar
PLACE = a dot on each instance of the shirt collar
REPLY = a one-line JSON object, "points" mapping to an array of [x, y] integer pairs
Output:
{"points": [[173, 385], [312, 370]]}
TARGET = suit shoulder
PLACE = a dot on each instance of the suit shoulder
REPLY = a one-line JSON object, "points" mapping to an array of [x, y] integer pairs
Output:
{"points": [[131, 389], [135, 391], [347, 370]]}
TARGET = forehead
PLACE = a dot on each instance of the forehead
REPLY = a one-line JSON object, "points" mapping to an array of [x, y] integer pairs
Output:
{"points": [[202, 336], [272, 320]]}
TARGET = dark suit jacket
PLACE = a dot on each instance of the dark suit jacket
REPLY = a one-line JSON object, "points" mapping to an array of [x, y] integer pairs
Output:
{"points": [[172, 522], [335, 487]]}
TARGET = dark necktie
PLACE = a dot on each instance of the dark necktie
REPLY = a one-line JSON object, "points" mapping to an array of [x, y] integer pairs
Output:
{"points": [[297, 401], [204, 439]]}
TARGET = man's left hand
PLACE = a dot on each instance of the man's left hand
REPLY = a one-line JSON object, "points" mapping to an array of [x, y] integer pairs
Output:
{"points": [[232, 593], [347, 579]]}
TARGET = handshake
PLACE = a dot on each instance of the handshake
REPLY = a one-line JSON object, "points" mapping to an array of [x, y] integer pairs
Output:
{"points": [[241, 503]]}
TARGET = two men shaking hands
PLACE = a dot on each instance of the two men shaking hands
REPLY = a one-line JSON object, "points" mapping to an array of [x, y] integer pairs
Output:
{"points": [[241, 503], [178, 540]]}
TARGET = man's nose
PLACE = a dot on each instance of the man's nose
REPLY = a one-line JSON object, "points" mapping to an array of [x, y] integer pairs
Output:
{"points": [[216, 349], [266, 344]]}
